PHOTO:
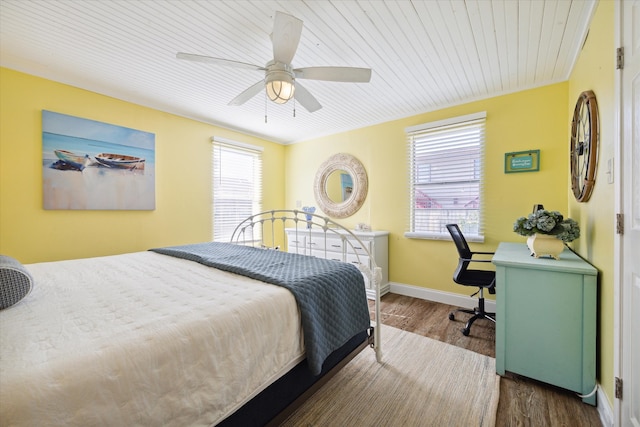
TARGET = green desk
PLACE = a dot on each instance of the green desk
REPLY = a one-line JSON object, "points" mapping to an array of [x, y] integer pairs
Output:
{"points": [[546, 318]]}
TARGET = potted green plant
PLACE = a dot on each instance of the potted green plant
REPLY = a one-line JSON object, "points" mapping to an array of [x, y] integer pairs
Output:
{"points": [[547, 232]]}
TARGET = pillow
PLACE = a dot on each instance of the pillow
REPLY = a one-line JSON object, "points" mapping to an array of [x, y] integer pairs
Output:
{"points": [[15, 282]]}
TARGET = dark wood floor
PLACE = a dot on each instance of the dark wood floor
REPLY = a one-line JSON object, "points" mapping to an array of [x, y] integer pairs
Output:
{"points": [[523, 402]]}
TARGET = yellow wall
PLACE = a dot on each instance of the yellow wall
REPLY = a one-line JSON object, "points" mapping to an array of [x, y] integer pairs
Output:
{"points": [[532, 119], [183, 176], [595, 71]]}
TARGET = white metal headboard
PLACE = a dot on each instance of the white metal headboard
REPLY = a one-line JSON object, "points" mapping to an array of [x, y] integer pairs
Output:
{"points": [[267, 228]]}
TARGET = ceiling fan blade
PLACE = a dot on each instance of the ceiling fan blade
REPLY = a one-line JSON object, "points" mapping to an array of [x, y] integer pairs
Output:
{"points": [[248, 93], [304, 97], [218, 61], [334, 74], [285, 37]]}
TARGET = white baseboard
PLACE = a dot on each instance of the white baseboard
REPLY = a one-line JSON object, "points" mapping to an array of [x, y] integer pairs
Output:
{"points": [[440, 296], [604, 408]]}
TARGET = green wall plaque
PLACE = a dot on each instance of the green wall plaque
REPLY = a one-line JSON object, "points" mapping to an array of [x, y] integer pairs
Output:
{"points": [[522, 161]]}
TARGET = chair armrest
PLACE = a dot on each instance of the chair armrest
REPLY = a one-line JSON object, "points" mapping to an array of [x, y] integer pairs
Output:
{"points": [[483, 253], [478, 260]]}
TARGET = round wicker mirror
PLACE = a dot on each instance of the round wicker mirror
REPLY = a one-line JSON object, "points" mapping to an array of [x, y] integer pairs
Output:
{"points": [[354, 186]]}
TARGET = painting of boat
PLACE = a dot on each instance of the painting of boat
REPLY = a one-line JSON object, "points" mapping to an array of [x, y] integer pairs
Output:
{"points": [[120, 161], [72, 160]]}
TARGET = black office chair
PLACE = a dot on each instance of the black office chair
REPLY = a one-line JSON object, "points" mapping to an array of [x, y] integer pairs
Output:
{"points": [[469, 277]]}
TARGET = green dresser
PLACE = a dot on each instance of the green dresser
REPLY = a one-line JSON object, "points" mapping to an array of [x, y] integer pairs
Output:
{"points": [[546, 318]]}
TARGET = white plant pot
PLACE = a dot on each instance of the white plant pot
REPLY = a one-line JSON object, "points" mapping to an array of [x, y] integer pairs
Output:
{"points": [[545, 244]]}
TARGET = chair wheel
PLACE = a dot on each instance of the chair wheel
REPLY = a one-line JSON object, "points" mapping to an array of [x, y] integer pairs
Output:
{"points": [[465, 332], [451, 316]]}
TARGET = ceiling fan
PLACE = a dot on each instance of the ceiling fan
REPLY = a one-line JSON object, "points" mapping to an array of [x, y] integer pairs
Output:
{"points": [[280, 79]]}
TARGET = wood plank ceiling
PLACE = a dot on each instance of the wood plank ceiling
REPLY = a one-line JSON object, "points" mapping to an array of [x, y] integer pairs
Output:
{"points": [[425, 55]]}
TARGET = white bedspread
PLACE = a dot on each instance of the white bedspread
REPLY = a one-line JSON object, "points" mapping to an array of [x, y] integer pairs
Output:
{"points": [[141, 339]]}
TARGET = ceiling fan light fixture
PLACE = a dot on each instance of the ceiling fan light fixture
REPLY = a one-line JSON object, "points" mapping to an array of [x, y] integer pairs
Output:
{"points": [[279, 86]]}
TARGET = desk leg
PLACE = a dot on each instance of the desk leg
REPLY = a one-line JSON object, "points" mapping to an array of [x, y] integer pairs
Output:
{"points": [[501, 292], [589, 333]]}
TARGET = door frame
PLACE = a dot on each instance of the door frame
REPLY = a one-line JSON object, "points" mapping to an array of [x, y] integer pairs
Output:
{"points": [[621, 319], [618, 208]]}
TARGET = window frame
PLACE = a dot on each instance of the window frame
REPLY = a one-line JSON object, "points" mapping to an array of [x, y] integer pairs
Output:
{"points": [[222, 146], [417, 170]]}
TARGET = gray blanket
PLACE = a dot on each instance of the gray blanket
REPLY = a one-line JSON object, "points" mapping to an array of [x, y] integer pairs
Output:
{"points": [[330, 294]]}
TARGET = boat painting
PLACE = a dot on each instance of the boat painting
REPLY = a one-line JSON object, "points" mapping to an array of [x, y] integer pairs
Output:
{"points": [[118, 183], [120, 161], [76, 161]]}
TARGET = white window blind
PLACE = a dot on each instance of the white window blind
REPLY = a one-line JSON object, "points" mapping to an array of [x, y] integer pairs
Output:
{"points": [[237, 186], [446, 164]]}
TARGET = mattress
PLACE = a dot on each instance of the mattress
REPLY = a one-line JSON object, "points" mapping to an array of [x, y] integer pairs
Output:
{"points": [[141, 339]]}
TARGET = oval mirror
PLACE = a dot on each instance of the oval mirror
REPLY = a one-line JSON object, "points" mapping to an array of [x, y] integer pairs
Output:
{"points": [[340, 185]]}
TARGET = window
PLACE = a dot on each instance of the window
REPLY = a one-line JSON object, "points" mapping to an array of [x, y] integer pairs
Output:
{"points": [[237, 186], [445, 163]]}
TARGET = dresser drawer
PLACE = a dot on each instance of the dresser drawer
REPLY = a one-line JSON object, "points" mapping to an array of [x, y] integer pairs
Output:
{"points": [[360, 249], [350, 258], [296, 244], [359, 259], [335, 256], [314, 242], [333, 244]]}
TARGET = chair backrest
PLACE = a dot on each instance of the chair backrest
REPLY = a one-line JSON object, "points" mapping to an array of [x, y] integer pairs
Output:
{"points": [[459, 240], [464, 252], [463, 275]]}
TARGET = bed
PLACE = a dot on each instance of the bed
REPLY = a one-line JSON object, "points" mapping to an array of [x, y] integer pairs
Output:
{"points": [[203, 334]]}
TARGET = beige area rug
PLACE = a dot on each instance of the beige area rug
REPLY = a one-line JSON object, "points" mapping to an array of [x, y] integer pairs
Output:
{"points": [[421, 382]]}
